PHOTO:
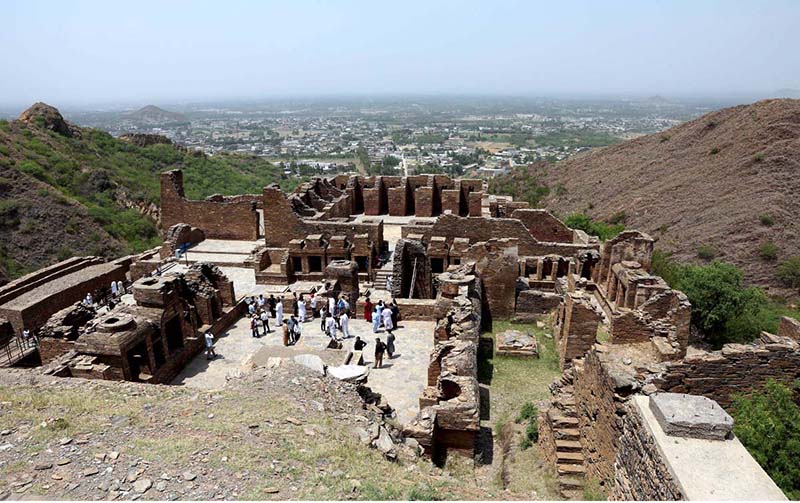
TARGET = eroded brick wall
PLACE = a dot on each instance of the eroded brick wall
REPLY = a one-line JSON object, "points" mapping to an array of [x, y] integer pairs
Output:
{"points": [[217, 217]]}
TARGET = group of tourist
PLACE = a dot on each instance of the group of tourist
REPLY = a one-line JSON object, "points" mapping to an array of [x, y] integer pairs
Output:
{"points": [[334, 318]]}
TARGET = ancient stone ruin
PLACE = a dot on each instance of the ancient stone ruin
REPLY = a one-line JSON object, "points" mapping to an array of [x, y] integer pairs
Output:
{"points": [[456, 261]]}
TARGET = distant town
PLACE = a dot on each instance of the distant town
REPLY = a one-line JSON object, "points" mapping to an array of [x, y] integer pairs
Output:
{"points": [[458, 137]]}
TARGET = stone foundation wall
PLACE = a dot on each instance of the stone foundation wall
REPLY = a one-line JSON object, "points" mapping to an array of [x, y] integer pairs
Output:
{"points": [[533, 303], [736, 368], [218, 217], [600, 404], [641, 474]]}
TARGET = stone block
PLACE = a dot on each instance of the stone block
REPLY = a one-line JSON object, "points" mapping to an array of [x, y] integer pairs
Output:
{"points": [[691, 416]]}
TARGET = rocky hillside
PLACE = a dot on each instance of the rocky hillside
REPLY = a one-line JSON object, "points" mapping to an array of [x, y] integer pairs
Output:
{"points": [[723, 184], [68, 190]]}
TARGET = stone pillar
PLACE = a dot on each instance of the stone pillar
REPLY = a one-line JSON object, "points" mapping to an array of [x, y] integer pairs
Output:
{"points": [[423, 201], [475, 199], [397, 201]]}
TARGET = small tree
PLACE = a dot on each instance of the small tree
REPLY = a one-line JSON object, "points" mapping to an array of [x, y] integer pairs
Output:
{"points": [[768, 424], [705, 252], [789, 272]]}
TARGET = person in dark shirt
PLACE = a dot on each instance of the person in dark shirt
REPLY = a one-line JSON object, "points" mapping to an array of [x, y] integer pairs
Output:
{"points": [[358, 344], [380, 348]]}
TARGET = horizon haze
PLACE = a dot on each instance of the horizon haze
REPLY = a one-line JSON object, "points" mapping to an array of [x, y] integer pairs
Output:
{"points": [[90, 53]]}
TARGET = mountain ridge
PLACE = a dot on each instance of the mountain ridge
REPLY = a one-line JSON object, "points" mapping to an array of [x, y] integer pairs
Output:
{"points": [[707, 182]]}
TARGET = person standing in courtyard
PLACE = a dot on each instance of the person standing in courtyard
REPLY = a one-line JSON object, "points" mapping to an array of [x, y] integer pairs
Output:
{"points": [[387, 319], [271, 302], [265, 321], [323, 314], [358, 344], [314, 311], [395, 309], [296, 307], [330, 326], [380, 347], [376, 320], [210, 353], [279, 312], [368, 306], [390, 345], [344, 324], [301, 309], [254, 327], [332, 304], [285, 330]]}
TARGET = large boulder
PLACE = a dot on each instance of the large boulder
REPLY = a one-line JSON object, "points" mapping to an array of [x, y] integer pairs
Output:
{"points": [[313, 362]]}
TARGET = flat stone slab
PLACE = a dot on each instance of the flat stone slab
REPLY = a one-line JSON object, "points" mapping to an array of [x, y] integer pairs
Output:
{"points": [[313, 362], [691, 416], [349, 373], [516, 343]]}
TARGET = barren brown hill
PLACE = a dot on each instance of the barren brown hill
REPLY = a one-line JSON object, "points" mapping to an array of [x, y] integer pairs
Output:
{"points": [[704, 183]]}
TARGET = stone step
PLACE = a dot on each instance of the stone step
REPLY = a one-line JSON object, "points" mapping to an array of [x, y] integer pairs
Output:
{"points": [[565, 422], [572, 495], [570, 469], [567, 434], [568, 446], [570, 483], [569, 458]]}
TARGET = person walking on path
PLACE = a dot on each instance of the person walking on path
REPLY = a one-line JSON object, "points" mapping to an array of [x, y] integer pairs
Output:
{"points": [[265, 321], [390, 345], [344, 324], [210, 353], [368, 306], [271, 303], [380, 309], [387, 320], [380, 347], [285, 330], [254, 327], [295, 310], [294, 333], [279, 312], [358, 344]]}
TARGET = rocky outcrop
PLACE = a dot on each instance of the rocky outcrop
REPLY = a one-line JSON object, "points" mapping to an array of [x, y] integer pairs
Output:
{"points": [[42, 114]]}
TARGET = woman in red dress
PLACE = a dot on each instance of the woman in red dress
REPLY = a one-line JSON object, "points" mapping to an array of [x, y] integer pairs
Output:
{"points": [[368, 310]]}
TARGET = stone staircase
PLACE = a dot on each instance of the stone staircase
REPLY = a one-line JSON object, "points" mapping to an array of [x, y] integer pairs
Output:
{"points": [[563, 420], [380, 278]]}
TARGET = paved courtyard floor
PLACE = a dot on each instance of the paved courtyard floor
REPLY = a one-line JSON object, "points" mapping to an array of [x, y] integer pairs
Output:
{"points": [[401, 379]]}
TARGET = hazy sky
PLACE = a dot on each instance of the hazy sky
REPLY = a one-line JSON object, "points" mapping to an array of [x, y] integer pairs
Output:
{"points": [[84, 52]]}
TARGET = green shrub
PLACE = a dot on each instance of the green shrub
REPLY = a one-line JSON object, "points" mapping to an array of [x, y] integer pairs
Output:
{"points": [[9, 212], [5, 126], [585, 223], [527, 411], [532, 430], [618, 218], [768, 424], [789, 272], [759, 157], [32, 168], [705, 252], [722, 307], [768, 251], [714, 151], [766, 220]]}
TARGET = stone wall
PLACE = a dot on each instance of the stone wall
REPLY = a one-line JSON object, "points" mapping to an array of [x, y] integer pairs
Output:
{"points": [[543, 226], [534, 303], [282, 224], [736, 368], [640, 472], [496, 264], [219, 217], [575, 327], [602, 388]]}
